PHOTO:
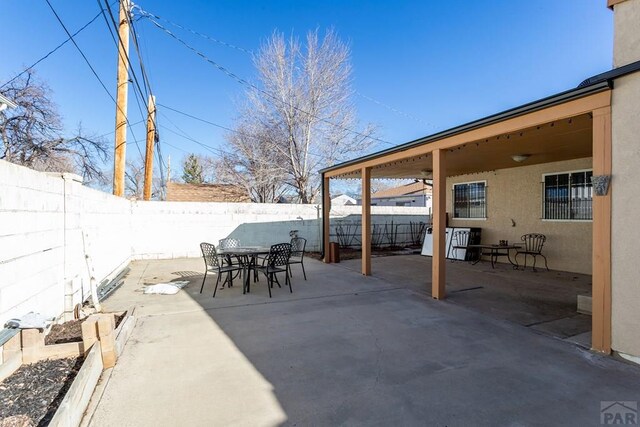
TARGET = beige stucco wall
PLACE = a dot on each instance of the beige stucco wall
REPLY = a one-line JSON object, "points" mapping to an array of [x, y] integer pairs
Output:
{"points": [[516, 193], [625, 184], [626, 33]]}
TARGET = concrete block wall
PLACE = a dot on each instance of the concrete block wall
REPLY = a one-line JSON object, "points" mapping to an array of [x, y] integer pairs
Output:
{"points": [[42, 250], [49, 222], [97, 224], [31, 242], [176, 229]]}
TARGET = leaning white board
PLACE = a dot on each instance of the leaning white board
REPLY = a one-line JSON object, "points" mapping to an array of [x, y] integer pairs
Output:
{"points": [[427, 245]]}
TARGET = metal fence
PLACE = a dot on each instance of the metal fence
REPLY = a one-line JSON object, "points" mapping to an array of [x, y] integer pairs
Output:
{"points": [[390, 234]]}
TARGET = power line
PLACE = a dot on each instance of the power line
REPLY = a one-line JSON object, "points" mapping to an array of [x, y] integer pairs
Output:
{"points": [[145, 78], [196, 118], [113, 131], [205, 36], [186, 136], [52, 51], [81, 52], [132, 73], [202, 144], [244, 82], [88, 63], [118, 43], [176, 147], [395, 110], [174, 124], [130, 70], [250, 52]]}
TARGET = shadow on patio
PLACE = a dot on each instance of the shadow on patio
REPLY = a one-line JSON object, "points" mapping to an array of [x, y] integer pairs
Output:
{"points": [[342, 349], [543, 300]]}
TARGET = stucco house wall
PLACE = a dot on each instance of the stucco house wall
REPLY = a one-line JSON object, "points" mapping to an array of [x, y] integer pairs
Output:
{"points": [[625, 183], [516, 194], [409, 200]]}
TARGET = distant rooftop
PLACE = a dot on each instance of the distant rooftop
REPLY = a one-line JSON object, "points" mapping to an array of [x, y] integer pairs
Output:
{"points": [[180, 192], [414, 188]]}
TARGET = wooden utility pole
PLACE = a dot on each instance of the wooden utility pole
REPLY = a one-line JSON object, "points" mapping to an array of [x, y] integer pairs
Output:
{"points": [[120, 158], [151, 139]]}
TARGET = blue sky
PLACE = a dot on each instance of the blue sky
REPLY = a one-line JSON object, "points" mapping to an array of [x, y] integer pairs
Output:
{"points": [[444, 63]]}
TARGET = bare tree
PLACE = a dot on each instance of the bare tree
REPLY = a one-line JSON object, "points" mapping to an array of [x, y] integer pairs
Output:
{"points": [[302, 102], [253, 164], [32, 134], [134, 181]]}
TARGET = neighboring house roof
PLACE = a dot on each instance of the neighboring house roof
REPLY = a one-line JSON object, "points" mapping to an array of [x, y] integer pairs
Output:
{"points": [[343, 199], [6, 102], [413, 189], [179, 192], [595, 84]]}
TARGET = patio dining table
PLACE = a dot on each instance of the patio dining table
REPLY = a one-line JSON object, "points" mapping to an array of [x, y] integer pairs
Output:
{"points": [[494, 251], [247, 255]]}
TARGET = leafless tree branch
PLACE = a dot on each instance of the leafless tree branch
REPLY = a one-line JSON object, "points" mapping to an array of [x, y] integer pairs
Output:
{"points": [[299, 119], [33, 136]]}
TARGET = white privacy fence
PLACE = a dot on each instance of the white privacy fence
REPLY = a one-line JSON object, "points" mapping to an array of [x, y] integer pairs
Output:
{"points": [[49, 223]]}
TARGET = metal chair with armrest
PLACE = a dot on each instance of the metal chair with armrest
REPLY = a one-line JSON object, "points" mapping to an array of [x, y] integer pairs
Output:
{"points": [[533, 243], [214, 262], [276, 262]]}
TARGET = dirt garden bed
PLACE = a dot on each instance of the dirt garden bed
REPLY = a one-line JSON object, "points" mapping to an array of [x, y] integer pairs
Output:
{"points": [[71, 331], [50, 379], [32, 394]]}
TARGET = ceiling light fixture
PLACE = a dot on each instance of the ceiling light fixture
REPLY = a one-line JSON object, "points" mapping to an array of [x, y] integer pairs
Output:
{"points": [[520, 157], [426, 173]]}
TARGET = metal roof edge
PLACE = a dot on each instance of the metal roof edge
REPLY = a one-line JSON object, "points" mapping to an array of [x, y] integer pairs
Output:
{"points": [[549, 101], [611, 74], [7, 101]]}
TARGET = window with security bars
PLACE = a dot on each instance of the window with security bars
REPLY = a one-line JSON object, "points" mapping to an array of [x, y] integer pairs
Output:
{"points": [[568, 196], [470, 200]]}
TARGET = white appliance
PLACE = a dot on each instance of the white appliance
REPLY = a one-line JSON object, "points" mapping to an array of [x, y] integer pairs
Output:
{"points": [[427, 246]]}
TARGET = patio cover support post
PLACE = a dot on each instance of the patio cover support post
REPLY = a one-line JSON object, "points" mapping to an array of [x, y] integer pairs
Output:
{"points": [[366, 221], [601, 261], [326, 220], [439, 224]]}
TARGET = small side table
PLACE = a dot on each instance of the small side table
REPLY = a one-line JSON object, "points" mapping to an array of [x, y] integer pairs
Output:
{"points": [[495, 251]]}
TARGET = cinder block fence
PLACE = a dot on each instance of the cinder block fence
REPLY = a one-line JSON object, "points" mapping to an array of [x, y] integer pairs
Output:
{"points": [[50, 222]]}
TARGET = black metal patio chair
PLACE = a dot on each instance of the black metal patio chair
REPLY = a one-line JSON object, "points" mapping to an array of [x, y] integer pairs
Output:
{"points": [[230, 243], [276, 262], [215, 263], [298, 247], [533, 243]]}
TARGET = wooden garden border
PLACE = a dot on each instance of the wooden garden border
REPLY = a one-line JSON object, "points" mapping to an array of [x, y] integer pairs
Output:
{"points": [[103, 346]]}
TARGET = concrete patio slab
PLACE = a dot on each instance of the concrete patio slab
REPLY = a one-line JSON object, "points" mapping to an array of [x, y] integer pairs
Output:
{"points": [[342, 349], [543, 300]]}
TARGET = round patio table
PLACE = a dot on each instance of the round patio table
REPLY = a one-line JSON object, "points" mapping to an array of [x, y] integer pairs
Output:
{"points": [[247, 255]]}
